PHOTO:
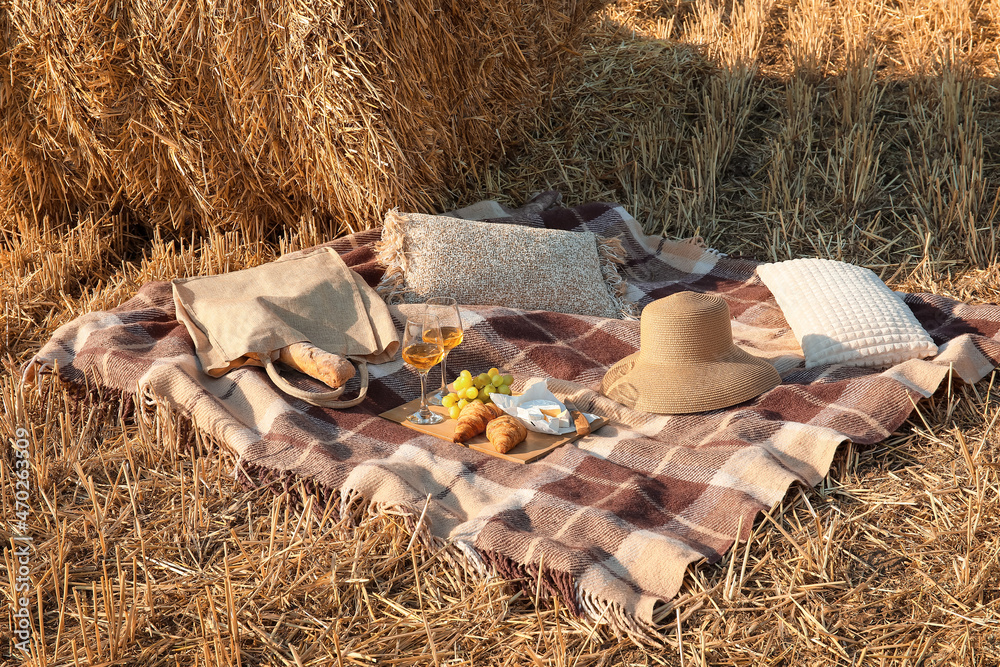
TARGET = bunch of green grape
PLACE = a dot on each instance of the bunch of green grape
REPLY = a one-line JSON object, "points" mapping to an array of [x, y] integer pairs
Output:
{"points": [[469, 388]]}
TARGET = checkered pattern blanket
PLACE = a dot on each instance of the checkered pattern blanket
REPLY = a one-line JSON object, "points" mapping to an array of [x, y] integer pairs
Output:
{"points": [[608, 523]]}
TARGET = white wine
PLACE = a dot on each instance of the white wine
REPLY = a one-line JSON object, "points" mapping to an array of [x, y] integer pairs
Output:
{"points": [[422, 355], [451, 337]]}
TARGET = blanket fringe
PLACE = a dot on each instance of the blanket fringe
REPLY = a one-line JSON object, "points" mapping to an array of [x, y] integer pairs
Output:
{"points": [[390, 251], [620, 621], [79, 387], [699, 242], [33, 369], [611, 253], [581, 602]]}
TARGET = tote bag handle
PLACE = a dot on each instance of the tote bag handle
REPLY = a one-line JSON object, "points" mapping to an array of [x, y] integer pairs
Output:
{"points": [[323, 399]]}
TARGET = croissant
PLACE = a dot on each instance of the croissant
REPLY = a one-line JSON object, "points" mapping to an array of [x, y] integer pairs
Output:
{"points": [[505, 432], [472, 420]]}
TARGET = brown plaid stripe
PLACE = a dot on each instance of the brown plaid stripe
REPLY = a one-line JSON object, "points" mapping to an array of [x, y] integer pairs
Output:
{"points": [[610, 522]]}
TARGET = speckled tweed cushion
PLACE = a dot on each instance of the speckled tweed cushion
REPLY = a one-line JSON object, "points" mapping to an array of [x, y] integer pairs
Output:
{"points": [[480, 263], [844, 314]]}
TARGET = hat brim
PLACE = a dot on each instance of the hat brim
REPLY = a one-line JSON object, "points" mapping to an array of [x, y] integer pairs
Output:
{"points": [[665, 388]]}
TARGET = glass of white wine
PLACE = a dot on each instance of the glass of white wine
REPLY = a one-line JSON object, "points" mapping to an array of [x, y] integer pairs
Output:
{"points": [[421, 352], [445, 309]]}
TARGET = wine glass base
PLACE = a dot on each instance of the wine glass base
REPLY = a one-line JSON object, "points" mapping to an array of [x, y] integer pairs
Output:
{"points": [[425, 420], [435, 398]]}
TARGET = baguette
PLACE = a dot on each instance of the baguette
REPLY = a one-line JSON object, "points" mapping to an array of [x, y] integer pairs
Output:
{"points": [[330, 369]]}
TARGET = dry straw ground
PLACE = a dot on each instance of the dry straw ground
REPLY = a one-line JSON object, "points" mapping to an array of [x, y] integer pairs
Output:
{"points": [[858, 129]]}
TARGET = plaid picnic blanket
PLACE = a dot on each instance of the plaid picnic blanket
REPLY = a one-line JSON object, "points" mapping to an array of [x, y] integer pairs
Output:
{"points": [[610, 522]]}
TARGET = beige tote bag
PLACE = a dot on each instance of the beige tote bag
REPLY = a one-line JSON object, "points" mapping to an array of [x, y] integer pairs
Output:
{"points": [[246, 317]]}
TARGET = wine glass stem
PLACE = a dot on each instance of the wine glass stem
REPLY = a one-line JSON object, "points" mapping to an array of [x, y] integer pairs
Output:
{"points": [[444, 374], [425, 412]]}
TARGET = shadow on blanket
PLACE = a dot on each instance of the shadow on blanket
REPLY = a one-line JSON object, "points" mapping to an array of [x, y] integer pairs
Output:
{"points": [[609, 523]]}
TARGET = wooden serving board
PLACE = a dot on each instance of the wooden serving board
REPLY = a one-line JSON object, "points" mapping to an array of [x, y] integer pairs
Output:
{"points": [[532, 448]]}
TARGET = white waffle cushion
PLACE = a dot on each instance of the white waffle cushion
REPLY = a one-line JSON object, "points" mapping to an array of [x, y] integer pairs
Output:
{"points": [[844, 314]]}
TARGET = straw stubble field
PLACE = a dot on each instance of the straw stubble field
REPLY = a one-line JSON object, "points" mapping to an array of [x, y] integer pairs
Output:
{"points": [[860, 130]]}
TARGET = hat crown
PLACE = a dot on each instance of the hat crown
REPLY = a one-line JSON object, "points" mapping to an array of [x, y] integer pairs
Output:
{"points": [[685, 327], [687, 360]]}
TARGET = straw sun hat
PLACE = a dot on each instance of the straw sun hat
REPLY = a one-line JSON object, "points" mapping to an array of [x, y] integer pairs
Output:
{"points": [[687, 361]]}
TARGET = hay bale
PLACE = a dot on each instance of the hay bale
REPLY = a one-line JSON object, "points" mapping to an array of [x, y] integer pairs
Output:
{"points": [[255, 114]]}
